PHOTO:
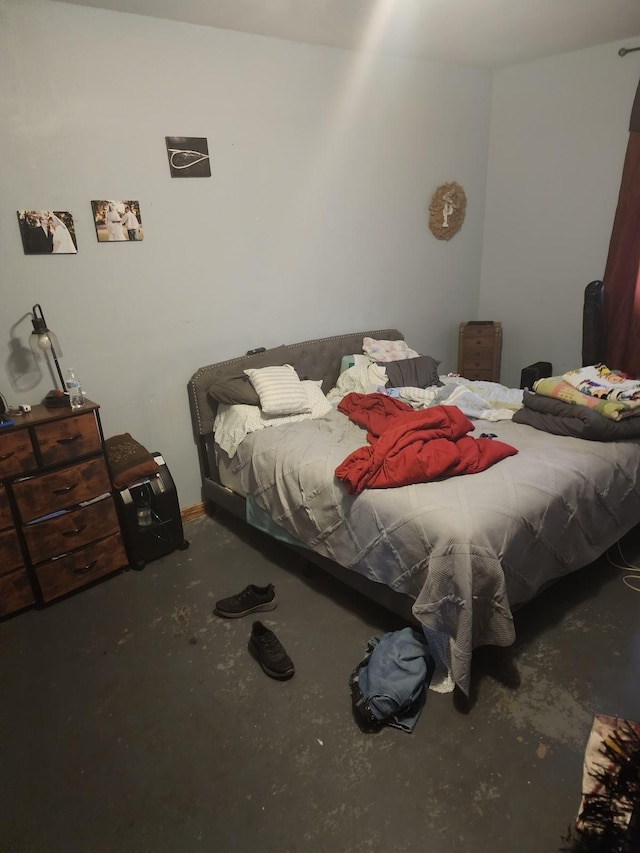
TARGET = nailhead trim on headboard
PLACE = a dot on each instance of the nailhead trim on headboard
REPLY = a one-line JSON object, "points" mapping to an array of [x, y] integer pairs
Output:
{"points": [[315, 359]]}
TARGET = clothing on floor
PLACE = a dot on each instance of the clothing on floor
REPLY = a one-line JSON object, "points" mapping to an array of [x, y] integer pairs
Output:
{"points": [[389, 685]]}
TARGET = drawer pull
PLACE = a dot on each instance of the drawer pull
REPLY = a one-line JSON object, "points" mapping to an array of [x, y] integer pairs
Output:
{"points": [[84, 569], [7, 456], [70, 439], [64, 489], [74, 532]]}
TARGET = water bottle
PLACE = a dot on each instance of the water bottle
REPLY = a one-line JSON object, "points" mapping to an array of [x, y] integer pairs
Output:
{"points": [[74, 390]]}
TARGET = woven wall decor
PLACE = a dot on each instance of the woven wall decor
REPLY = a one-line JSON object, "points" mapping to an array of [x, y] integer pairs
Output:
{"points": [[446, 211]]}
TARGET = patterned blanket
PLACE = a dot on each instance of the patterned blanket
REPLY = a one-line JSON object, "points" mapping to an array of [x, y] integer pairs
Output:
{"points": [[557, 387]]}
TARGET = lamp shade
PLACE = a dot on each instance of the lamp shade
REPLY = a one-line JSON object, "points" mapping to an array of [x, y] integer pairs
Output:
{"points": [[42, 340]]}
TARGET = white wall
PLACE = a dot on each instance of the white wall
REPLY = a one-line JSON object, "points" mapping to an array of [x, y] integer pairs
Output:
{"points": [[313, 223], [559, 132]]}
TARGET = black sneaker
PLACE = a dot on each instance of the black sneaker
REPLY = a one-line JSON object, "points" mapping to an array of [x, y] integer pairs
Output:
{"points": [[269, 652], [250, 600]]}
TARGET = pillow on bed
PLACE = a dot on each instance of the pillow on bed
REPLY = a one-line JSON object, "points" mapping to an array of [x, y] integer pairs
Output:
{"points": [[418, 372], [279, 389], [387, 350], [234, 423], [234, 389]]}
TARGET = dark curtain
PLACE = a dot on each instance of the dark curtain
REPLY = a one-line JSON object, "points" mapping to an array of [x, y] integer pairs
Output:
{"points": [[621, 276]]}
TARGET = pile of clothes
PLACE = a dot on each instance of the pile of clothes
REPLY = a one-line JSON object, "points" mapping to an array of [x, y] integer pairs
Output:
{"points": [[591, 402]]}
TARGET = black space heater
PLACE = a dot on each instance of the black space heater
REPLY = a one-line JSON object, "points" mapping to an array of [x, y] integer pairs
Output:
{"points": [[150, 517], [538, 370]]}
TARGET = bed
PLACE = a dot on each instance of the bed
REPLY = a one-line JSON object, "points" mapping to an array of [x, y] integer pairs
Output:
{"points": [[456, 555]]}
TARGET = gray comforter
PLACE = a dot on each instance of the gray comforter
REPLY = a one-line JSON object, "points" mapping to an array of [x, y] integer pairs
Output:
{"points": [[560, 418], [467, 549]]}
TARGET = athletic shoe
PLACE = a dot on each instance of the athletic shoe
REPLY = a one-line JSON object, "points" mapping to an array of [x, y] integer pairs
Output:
{"points": [[250, 600], [269, 652]]}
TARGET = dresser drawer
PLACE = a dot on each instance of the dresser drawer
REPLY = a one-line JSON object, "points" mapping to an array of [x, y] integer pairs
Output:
{"points": [[16, 453], [15, 592], [478, 345], [49, 493], [477, 364], [485, 333], [62, 441], [53, 536], [5, 510], [471, 354], [479, 375], [72, 571], [10, 551]]}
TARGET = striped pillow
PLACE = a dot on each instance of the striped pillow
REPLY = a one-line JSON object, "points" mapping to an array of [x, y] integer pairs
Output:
{"points": [[279, 389]]}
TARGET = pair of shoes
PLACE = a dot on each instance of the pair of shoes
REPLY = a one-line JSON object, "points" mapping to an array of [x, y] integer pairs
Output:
{"points": [[251, 600], [263, 643], [269, 652]]}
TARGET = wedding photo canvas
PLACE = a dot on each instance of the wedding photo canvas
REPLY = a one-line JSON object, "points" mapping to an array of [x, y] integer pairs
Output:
{"points": [[117, 221], [47, 232]]}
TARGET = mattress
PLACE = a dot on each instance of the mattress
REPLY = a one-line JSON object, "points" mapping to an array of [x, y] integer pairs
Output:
{"points": [[467, 549]]}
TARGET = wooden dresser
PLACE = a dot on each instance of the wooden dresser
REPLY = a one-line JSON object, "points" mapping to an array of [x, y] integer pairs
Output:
{"points": [[479, 350], [58, 525]]}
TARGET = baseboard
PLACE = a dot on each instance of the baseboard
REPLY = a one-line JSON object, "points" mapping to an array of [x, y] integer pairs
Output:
{"points": [[189, 513]]}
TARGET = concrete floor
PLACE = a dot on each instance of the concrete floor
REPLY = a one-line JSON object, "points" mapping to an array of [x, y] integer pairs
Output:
{"points": [[134, 720]]}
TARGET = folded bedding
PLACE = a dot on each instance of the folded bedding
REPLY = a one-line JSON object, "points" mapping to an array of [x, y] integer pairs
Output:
{"points": [[559, 389], [561, 418], [597, 380]]}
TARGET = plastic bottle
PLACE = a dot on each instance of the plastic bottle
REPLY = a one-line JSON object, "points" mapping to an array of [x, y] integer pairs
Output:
{"points": [[74, 389]]}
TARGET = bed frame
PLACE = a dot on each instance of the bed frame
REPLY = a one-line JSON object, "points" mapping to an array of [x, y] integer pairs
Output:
{"points": [[315, 359], [320, 359]]}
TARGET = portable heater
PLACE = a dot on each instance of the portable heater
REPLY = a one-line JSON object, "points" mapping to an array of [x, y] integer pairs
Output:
{"points": [[535, 371], [150, 517]]}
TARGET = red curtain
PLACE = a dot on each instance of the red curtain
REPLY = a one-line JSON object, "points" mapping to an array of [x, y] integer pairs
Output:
{"points": [[622, 272]]}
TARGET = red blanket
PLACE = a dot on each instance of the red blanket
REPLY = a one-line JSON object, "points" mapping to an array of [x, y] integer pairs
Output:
{"points": [[408, 446]]}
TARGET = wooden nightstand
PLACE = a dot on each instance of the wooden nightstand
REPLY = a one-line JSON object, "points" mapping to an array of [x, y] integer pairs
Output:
{"points": [[479, 350], [58, 525]]}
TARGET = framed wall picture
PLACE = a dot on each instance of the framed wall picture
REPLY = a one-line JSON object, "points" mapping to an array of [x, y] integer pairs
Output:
{"points": [[47, 232], [117, 221], [188, 157]]}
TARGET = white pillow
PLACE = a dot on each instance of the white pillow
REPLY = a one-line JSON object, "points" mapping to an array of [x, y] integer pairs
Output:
{"points": [[387, 350], [234, 423], [279, 389]]}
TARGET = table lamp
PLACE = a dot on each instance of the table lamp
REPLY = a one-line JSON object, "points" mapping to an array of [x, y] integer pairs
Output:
{"points": [[44, 343]]}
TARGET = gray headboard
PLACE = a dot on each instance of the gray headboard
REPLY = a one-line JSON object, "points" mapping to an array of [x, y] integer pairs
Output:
{"points": [[318, 359]]}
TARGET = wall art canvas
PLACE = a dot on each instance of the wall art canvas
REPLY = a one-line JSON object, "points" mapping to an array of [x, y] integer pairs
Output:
{"points": [[117, 221], [47, 232], [188, 157]]}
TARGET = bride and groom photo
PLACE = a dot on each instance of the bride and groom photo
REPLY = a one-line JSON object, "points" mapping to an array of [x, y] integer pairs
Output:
{"points": [[117, 221], [47, 232]]}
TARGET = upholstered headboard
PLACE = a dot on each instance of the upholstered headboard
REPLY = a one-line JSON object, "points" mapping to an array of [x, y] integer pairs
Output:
{"points": [[317, 359]]}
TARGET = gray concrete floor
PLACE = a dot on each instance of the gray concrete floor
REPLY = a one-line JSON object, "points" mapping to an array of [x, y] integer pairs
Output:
{"points": [[132, 719]]}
